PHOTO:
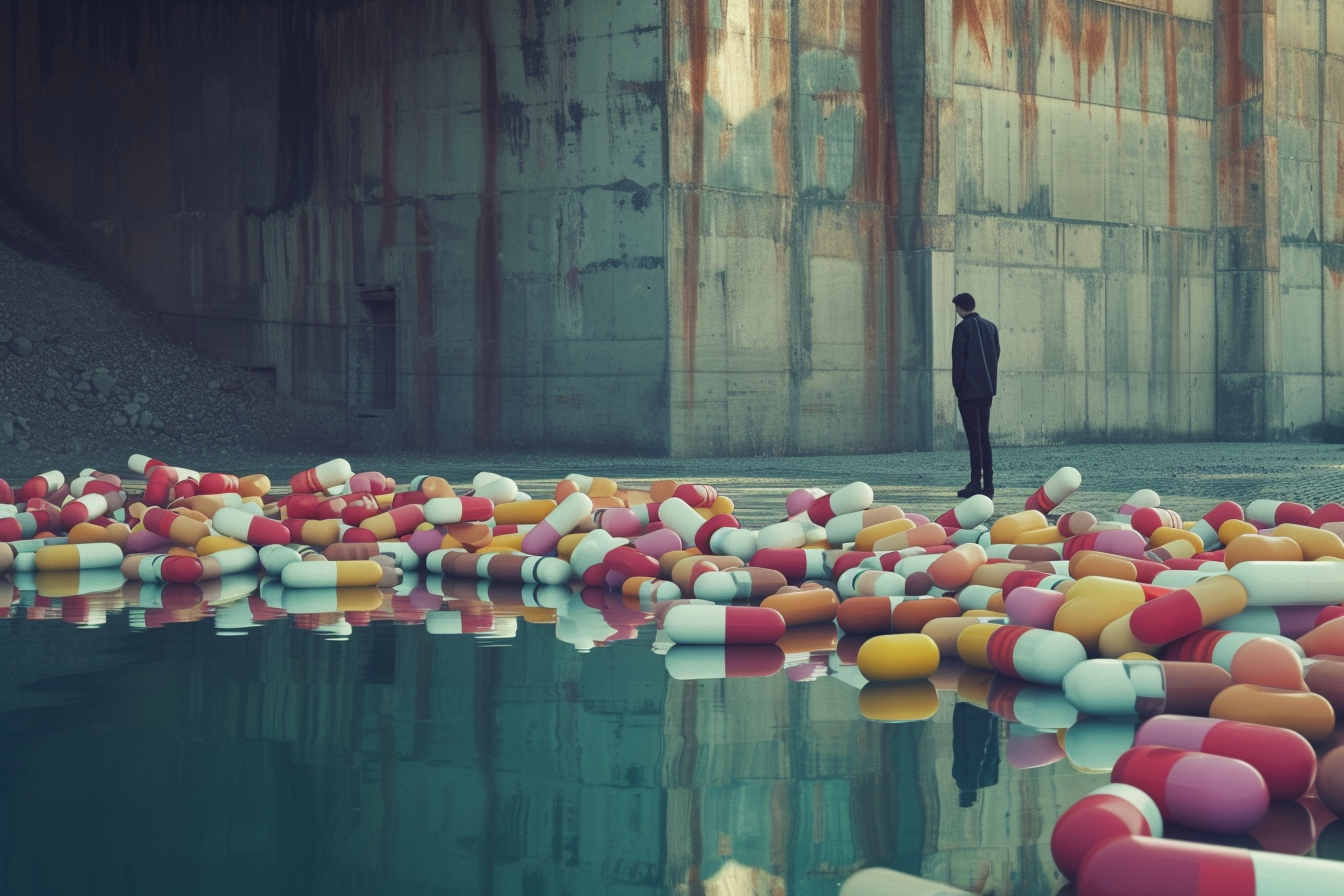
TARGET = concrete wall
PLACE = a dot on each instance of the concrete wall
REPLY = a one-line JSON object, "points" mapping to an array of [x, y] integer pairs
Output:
{"points": [[716, 226], [499, 167]]}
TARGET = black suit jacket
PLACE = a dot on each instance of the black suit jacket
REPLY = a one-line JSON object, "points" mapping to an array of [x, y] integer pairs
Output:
{"points": [[975, 358]]}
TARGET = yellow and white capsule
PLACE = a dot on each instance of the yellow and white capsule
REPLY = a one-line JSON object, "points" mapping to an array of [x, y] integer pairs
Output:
{"points": [[332, 574], [77, 556]]}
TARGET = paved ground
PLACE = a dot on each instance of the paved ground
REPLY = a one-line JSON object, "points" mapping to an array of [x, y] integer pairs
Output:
{"points": [[1189, 477]]}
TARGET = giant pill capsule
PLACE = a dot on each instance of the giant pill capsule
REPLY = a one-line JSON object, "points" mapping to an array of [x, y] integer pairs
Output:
{"points": [[795, 563], [1128, 865], [1218, 647], [258, 531], [910, 616], [1109, 687], [523, 513], [852, 498], [1199, 790], [322, 477], [1315, 543], [1261, 548], [1187, 610], [174, 526], [898, 657], [1275, 513], [1006, 529], [1207, 528], [1282, 757], [1035, 655], [1121, 542], [1059, 486], [927, 535], [1087, 618], [691, 662], [82, 509], [701, 624], [1148, 520], [846, 527], [78, 556], [442, 511], [866, 615], [559, 522], [1305, 582], [968, 514], [331, 574], [804, 607], [734, 584], [1310, 715], [1114, 810], [867, 537], [42, 485], [788, 534], [1033, 607], [954, 569]]}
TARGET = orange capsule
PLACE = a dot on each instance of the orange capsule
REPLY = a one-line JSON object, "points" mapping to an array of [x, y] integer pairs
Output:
{"points": [[804, 607], [1310, 715], [1261, 547], [954, 569], [910, 616]]}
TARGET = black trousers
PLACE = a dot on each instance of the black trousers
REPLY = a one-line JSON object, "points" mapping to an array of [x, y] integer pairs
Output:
{"points": [[975, 418]]}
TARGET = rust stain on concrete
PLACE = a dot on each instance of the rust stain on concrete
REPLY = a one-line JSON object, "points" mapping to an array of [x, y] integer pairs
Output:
{"points": [[821, 160], [697, 19], [1145, 42], [1235, 82], [1059, 17], [488, 292], [388, 233], [1096, 36], [971, 15], [1339, 187], [1173, 112]]}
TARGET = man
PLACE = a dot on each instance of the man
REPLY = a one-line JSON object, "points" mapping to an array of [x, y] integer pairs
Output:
{"points": [[975, 378]]}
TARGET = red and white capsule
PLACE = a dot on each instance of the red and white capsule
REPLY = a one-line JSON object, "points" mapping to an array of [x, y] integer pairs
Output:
{"points": [[1056, 489], [702, 624]]}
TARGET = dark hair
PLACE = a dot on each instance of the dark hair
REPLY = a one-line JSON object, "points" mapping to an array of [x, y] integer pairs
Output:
{"points": [[965, 301]]}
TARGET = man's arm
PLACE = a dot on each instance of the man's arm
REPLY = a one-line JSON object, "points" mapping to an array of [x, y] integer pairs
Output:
{"points": [[958, 358]]}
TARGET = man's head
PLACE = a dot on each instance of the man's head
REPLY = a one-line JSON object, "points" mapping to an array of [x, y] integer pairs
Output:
{"points": [[965, 303]]}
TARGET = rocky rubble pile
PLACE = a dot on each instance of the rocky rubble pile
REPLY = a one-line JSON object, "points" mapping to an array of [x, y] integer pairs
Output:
{"points": [[84, 370]]}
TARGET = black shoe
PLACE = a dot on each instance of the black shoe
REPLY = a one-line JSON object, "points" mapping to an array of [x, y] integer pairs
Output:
{"points": [[972, 489], [988, 491]]}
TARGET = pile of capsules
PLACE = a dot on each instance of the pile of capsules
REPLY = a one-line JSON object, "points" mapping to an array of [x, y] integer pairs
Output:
{"points": [[1200, 664]]}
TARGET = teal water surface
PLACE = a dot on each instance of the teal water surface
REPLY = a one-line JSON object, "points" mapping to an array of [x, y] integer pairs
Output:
{"points": [[195, 741]]}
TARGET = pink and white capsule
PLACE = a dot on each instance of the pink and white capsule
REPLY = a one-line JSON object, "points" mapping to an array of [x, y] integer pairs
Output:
{"points": [[592, 548], [852, 498], [446, 511], [559, 523], [256, 530], [1144, 497], [1058, 487], [968, 514], [800, 499], [701, 624]]}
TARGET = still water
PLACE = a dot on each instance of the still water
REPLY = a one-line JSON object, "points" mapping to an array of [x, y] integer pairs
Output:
{"points": [[181, 740]]}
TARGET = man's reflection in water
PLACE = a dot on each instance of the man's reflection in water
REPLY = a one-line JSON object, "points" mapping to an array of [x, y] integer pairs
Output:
{"points": [[975, 750]]}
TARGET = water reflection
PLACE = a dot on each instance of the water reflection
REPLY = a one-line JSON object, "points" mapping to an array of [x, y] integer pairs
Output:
{"points": [[229, 737]]}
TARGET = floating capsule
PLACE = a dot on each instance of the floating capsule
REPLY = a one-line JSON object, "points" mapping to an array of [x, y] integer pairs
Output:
{"points": [[866, 614], [1128, 865], [332, 574], [1063, 483], [559, 522], [77, 556], [804, 607], [700, 624], [257, 531], [691, 662], [500, 567], [1114, 810], [1035, 655], [1109, 687], [1282, 757], [898, 657], [1199, 790], [747, 582]]}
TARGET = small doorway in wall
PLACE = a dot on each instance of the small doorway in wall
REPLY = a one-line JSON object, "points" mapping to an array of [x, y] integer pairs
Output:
{"points": [[381, 307]]}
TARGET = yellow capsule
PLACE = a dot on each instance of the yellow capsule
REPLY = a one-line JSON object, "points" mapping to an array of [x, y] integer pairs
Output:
{"points": [[1006, 530], [1085, 618], [1048, 535], [973, 644], [258, 485], [213, 544], [868, 537], [722, 504], [1233, 529], [898, 657], [1315, 543], [1163, 536], [1261, 547], [565, 549], [523, 513], [1117, 640], [59, 557]]}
